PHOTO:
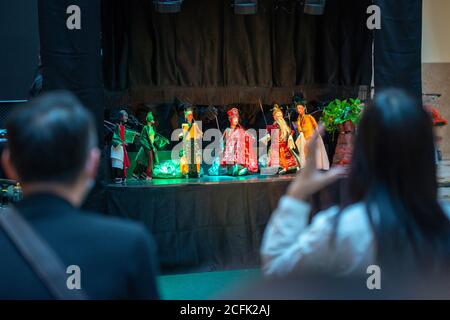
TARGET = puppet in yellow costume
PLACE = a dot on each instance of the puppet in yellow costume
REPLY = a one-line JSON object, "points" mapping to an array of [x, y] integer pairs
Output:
{"points": [[192, 142], [305, 127]]}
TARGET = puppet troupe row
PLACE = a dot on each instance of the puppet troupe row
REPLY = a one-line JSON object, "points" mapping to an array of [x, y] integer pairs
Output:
{"points": [[288, 146]]}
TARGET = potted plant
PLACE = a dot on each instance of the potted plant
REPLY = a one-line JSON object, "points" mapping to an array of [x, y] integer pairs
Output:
{"points": [[342, 116]]}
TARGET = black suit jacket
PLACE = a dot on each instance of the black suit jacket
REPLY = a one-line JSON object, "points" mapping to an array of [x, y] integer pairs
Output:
{"points": [[116, 257]]}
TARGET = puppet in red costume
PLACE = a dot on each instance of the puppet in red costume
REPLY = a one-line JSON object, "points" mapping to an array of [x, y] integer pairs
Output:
{"points": [[238, 154], [282, 149], [119, 155]]}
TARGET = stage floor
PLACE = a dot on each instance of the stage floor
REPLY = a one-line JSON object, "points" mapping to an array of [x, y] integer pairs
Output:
{"points": [[205, 180]]}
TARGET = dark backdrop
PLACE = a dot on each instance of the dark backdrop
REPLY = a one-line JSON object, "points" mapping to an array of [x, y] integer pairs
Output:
{"points": [[19, 48], [72, 61], [209, 55], [398, 46], [72, 58]]}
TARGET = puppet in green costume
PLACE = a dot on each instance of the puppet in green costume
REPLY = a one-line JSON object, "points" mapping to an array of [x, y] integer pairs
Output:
{"points": [[147, 156]]}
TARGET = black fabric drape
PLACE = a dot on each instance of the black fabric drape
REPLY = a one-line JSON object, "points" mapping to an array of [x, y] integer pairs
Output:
{"points": [[209, 226], [71, 59], [19, 43], [201, 227], [398, 46], [209, 55]]}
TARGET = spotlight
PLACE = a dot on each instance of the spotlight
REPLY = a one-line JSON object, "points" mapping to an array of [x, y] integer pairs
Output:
{"points": [[167, 6], [245, 6], [315, 7]]}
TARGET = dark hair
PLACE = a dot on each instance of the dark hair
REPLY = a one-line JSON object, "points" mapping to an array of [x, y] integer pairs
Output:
{"points": [[394, 171], [50, 137]]}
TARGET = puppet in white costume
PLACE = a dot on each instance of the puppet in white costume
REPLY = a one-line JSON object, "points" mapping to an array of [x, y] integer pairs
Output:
{"points": [[119, 155]]}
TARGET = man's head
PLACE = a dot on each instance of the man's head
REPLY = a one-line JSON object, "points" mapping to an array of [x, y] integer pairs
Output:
{"points": [[52, 141]]}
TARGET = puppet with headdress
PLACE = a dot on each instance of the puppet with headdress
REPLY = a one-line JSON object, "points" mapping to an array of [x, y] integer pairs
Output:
{"points": [[238, 154], [305, 127], [282, 148], [147, 156], [119, 156], [191, 154]]}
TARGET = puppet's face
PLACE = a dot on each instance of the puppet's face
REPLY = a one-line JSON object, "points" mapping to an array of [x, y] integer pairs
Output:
{"points": [[234, 121], [278, 115], [125, 117], [301, 109], [189, 116], [150, 119]]}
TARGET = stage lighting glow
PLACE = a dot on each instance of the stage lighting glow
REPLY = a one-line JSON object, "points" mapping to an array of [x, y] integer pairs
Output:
{"points": [[315, 7], [245, 6], [167, 6]]}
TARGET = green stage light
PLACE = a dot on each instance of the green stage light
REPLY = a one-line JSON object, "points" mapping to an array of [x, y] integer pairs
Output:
{"points": [[167, 170]]}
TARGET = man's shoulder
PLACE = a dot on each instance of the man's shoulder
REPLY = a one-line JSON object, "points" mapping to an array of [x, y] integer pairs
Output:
{"points": [[111, 225], [71, 227], [103, 247], [108, 235]]}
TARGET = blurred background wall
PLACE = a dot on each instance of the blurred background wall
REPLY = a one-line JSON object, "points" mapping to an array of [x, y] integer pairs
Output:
{"points": [[436, 58]]}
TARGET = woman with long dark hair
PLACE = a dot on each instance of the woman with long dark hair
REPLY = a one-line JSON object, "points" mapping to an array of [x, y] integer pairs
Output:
{"points": [[393, 218]]}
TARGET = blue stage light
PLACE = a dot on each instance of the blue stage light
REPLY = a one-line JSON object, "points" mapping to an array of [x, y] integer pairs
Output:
{"points": [[245, 6], [315, 7], [167, 6]]}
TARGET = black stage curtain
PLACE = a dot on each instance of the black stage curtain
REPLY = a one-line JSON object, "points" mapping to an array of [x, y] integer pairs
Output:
{"points": [[72, 61], [201, 227], [209, 226], [209, 55], [72, 58], [398, 46], [19, 49]]}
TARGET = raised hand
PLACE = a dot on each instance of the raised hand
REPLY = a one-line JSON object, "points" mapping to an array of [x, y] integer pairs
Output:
{"points": [[310, 180]]}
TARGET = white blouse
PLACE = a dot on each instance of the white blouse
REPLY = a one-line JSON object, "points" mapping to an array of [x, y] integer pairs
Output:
{"points": [[290, 244]]}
